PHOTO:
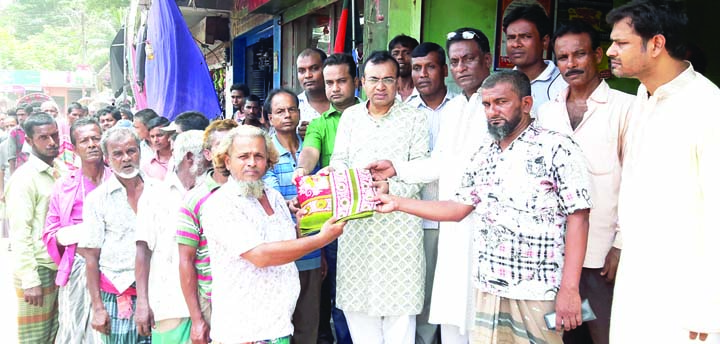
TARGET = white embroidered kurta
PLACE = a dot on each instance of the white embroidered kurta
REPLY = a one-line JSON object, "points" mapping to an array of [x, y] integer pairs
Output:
{"points": [[667, 282], [381, 262], [464, 128]]}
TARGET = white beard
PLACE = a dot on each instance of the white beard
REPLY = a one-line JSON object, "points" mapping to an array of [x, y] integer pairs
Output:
{"points": [[130, 175], [255, 188]]}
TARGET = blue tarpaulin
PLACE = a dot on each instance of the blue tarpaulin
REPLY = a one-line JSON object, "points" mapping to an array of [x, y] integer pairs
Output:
{"points": [[177, 77]]}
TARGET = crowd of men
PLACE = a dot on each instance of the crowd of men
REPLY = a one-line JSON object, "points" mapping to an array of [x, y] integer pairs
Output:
{"points": [[499, 217]]}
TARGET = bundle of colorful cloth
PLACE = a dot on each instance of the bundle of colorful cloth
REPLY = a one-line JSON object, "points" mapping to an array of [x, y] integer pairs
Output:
{"points": [[344, 194]]}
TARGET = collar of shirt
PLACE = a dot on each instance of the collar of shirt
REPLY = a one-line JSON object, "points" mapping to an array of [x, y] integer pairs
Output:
{"points": [[40, 166], [600, 95], [156, 158], [547, 73], [532, 127], [113, 183], [416, 101], [172, 181], [394, 108], [672, 87], [332, 111], [209, 182], [302, 97], [413, 94], [281, 150]]}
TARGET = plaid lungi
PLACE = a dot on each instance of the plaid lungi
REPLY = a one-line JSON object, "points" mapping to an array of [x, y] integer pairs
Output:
{"points": [[38, 324], [122, 331], [75, 309], [500, 320]]}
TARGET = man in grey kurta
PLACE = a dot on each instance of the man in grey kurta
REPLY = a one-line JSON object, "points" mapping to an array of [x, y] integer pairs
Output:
{"points": [[381, 266]]}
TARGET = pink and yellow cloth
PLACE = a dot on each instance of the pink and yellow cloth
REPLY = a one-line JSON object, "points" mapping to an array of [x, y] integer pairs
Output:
{"points": [[345, 194]]}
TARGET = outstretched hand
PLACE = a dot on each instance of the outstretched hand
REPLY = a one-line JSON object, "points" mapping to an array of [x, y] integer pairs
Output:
{"points": [[386, 203], [332, 228], [381, 169]]}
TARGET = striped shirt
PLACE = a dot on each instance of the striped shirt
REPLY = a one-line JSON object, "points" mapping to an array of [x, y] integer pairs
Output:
{"points": [[190, 232], [280, 178]]}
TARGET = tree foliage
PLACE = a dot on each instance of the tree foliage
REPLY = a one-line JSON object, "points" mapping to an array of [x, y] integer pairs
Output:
{"points": [[48, 34]]}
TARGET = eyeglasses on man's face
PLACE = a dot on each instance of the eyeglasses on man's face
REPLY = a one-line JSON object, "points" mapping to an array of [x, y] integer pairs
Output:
{"points": [[389, 81], [465, 35]]}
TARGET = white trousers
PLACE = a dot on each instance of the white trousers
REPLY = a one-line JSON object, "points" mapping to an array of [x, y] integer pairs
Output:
{"points": [[368, 329], [450, 334]]}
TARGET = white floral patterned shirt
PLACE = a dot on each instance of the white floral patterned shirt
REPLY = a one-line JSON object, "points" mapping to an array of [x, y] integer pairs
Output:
{"points": [[522, 196], [249, 303], [110, 225]]}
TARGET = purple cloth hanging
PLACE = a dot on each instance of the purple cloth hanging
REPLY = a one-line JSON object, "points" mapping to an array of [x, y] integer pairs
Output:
{"points": [[177, 77]]}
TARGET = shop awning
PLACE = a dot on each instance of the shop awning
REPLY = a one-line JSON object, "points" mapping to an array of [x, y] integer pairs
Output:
{"points": [[266, 6]]}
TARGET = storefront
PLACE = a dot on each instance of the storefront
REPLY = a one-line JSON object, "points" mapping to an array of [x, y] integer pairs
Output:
{"points": [[293, 27], [255, 58]]}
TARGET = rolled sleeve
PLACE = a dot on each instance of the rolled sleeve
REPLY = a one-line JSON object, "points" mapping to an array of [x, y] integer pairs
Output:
{"points": [[313, 134], [572, 177]]}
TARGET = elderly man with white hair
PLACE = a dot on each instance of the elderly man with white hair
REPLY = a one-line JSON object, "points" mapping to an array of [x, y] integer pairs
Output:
{"points": [[109, 215], [161, 308], [254, 245]]}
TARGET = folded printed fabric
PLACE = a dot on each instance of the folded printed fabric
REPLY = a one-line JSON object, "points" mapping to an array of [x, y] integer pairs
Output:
{"points": [[346, 194]]}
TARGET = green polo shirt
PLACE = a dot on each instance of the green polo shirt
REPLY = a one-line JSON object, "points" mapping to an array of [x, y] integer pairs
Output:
{"points": [[321, 132]]}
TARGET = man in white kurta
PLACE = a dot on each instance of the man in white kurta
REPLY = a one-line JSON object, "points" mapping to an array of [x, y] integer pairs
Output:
{"points": [[667, 283], [381, 265], [464, 127]]}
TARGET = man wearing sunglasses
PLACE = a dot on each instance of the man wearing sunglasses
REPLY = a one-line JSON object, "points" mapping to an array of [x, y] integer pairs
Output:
{"points": [[463, 128]]}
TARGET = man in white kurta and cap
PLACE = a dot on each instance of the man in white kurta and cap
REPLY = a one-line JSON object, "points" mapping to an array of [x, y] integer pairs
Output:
{"points": [[666, 288]]}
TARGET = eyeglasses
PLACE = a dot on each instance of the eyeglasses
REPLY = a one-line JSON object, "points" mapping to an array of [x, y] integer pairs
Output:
{"points": [[465, 35], [389, 81]]}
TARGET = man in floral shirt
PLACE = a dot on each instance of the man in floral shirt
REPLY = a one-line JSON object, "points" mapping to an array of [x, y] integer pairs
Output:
{"points": [[529, 191]]}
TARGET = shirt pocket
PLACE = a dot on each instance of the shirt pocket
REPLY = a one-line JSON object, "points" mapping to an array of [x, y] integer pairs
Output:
{"points": [[600, 149]]}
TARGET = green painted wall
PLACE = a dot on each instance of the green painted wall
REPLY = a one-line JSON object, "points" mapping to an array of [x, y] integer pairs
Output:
{"points": [[405, 17], [443, 16]]}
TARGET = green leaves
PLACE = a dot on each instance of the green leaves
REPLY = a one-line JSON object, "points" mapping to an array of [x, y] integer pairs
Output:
{"points": [[48, 34]]}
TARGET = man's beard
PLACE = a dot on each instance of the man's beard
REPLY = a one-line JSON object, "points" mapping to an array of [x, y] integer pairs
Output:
{"points": [[502, 131], [253, 188], [123, 175]]}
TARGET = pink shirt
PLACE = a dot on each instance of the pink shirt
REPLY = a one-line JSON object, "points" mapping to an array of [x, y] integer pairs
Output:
{"points": [[155, 168], [65, 209]]}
